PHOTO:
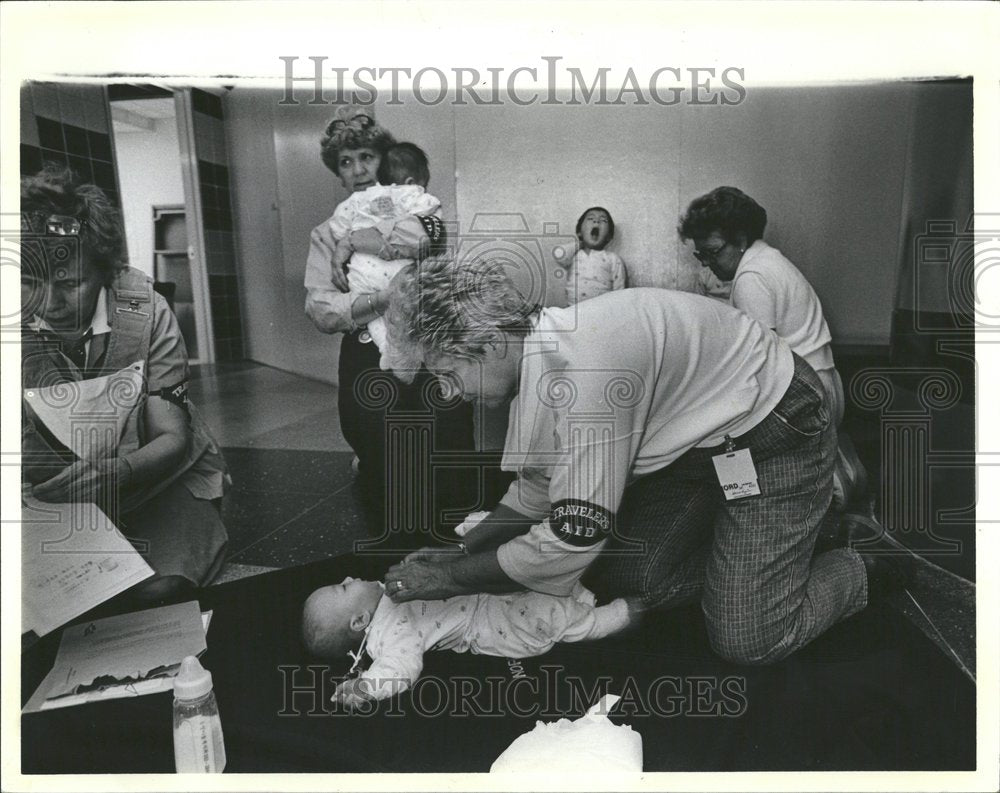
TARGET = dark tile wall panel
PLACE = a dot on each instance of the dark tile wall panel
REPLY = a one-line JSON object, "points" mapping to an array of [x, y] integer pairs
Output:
{"points": [[217, 212], [67, 125]]}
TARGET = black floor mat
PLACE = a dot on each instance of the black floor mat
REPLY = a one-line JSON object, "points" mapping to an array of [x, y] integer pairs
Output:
{"points": [[871, 694]]}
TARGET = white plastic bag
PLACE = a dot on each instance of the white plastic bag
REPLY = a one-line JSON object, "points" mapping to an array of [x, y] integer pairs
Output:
{"points": [[588, 744]]}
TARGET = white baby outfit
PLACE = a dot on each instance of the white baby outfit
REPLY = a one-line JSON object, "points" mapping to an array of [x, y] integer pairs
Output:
{"points": [[366, 209], [517, 625]]}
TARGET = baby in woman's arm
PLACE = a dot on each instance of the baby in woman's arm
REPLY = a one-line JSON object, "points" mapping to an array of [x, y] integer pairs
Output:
{"points": [[403, 175]]}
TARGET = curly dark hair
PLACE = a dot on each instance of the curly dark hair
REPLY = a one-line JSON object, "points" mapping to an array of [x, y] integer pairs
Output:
{"points": [[57, 191], [403, 161], [335, 140], [727, 210]]}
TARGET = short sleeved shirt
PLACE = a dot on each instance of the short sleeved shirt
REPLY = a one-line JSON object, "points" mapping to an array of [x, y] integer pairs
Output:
{"points": [[615, 388], [769, 288]]}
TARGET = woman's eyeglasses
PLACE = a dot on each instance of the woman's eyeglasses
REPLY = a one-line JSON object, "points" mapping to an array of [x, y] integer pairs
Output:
{"points": [[710, 255], [51, 225]]}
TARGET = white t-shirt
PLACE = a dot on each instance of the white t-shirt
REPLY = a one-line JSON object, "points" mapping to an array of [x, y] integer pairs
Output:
{"points": [[771, 289], [615, 388]]}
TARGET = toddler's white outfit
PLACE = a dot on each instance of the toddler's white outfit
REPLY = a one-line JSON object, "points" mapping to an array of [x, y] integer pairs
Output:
{"points": [[367, 273], [593, 273]]}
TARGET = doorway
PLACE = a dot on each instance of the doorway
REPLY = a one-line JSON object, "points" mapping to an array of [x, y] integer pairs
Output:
{"points": [[159, 215]]}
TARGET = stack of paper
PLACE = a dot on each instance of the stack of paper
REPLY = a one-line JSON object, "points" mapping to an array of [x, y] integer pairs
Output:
{"points": [[127, 655], [72, 559]]}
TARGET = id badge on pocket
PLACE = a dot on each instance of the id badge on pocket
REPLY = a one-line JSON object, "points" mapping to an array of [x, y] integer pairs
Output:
{"points": [[737, 474]]}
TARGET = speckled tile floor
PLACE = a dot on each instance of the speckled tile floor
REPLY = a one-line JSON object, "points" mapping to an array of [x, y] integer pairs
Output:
{"points": [[294, 500]]}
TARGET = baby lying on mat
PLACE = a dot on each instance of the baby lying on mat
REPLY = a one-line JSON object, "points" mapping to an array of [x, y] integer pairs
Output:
{"points": [[357, 614]]}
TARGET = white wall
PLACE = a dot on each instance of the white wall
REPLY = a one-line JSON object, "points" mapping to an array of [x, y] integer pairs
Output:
{"points": [[149, 170], [828, 163]]}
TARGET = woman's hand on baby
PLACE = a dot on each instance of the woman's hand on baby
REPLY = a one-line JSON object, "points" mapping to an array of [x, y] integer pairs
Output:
{"points": [[341, 256], [352, 694], [421, 580]]}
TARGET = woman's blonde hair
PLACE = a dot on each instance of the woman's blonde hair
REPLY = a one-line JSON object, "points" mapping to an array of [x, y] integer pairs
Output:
{"points": [[444, 306]]}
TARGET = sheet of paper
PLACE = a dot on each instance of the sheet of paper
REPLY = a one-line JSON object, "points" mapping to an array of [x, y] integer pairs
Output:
{"points": [[39, 700], [72, 559], [88, 416], [128, 647]]}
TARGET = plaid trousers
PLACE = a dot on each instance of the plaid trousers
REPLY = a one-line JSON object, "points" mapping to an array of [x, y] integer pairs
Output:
{"points": [[750, 560]]}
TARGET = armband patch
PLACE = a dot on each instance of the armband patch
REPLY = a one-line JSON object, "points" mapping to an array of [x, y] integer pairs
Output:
{"points": [[433, 228], [579, 523], [177, 394]]}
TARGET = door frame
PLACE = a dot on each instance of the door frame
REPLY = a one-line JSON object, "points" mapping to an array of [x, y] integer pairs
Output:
{"points": [[184, 111]]}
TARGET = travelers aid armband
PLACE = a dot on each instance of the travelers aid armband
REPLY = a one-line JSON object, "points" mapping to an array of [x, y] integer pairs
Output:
{"points": [[579, 523], [176, 394], [434, 229]]}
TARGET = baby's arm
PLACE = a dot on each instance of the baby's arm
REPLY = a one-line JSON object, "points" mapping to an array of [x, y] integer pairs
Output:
{"points": [[395, 671], [398, 665], [344, 218], [581, 621]]}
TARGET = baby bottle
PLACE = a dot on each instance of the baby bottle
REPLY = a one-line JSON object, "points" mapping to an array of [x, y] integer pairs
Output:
{"points": [[198, 746]]}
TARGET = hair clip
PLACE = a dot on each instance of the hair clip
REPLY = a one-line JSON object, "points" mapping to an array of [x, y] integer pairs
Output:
{"points": [[359, 122]]}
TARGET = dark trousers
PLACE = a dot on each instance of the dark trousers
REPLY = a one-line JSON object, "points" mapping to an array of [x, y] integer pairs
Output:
{"points": [[178, 534], [417, 472]]}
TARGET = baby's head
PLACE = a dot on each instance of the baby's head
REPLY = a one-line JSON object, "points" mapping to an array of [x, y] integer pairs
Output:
{"points": [[404, 163], [595, 228], [334, 617]]}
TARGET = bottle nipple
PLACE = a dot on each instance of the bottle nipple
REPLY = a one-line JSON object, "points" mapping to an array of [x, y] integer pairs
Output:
{"points": [[193, 680]]}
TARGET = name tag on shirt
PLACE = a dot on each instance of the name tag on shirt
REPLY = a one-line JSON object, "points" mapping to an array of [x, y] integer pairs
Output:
{"points": [[737, 474]]}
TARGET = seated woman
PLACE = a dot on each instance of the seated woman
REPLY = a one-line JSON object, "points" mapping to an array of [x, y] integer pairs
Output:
{"points": [[666, 436], [95, 333], [727, 226]]}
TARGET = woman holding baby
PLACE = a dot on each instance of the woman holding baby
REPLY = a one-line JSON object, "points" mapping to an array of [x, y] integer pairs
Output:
{"points": [[393, 426]]}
